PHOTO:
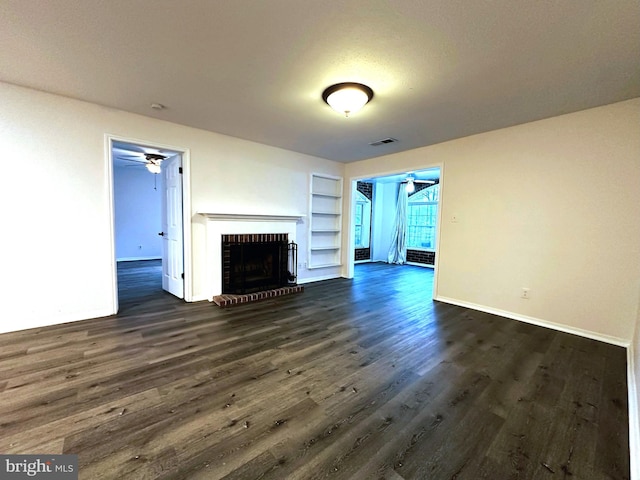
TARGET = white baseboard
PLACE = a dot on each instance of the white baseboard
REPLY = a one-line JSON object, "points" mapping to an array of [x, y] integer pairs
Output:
{"points": [[199, 298], [302, 281], [29, 323], [135, 259], [634, 414], [538, 321]]}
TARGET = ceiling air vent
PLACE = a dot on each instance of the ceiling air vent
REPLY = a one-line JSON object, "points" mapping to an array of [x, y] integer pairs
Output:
{"points": [[377, 143]]}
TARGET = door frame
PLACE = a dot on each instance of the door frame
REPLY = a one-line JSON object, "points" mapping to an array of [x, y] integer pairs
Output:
{"points": [[348, 224], [186, 211]]}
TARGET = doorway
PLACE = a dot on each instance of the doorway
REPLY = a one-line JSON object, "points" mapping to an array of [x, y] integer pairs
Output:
{"points": [[374, 202], [149, 201]]}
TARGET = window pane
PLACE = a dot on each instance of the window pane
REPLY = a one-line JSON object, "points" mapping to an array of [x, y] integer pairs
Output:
{"points": [[358, 214], [422, 214]]}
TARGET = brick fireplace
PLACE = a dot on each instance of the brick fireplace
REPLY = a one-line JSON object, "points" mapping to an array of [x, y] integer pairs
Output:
{"points": [[238, 228], [255, 262]]}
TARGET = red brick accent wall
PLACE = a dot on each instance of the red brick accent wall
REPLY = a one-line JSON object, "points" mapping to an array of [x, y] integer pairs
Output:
{"points": [[362, 254], [420, 256]]}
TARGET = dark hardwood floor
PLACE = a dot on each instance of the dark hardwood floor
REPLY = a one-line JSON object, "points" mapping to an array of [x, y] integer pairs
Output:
{"points": [[352, 379]]}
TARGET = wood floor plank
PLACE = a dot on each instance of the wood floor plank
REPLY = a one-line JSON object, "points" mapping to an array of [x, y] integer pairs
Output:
{"points": [[363, 378]]}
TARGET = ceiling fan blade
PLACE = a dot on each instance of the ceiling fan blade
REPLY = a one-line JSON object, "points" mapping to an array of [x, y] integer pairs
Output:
{"points": [[122, 150], [134, 159]]}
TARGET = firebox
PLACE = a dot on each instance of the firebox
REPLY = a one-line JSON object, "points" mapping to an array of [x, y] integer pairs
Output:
{"points": [[255, 262]]}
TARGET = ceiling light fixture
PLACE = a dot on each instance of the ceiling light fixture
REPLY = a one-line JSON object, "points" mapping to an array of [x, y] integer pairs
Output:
{"points": [[153, 162], [153, 167], [410, 185], [347, 98]]}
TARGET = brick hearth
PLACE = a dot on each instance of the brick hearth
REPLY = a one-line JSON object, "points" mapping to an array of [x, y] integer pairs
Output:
{"points": [[228, 300]]}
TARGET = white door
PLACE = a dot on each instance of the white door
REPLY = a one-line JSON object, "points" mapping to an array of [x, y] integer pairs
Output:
{"points": [[172, 242]]}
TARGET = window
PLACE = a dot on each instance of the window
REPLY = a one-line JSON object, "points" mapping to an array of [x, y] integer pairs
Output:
{"points": [[362, 217], [359, 208], [422, 216]]}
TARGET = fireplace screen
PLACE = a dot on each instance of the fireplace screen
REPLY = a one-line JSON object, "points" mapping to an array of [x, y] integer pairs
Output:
{"points": [[254, 263]]}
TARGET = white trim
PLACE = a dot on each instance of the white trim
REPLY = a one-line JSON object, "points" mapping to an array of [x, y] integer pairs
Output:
{"points": [[108, 155], [136, 259], [349, 262], [319, 279], [199, 298], [187, 253], [251, 217], [326, 175], [634, 413], [218, 225], [425, 265], [436, 257], [56, 320], [537, 321], [348, 228]]}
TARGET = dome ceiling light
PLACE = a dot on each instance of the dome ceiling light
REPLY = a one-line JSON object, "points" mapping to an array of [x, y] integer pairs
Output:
{"points": [[347, 98]]}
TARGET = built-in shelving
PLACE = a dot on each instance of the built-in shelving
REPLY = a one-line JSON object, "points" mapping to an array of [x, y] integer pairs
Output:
{"points": [[325, 222]]}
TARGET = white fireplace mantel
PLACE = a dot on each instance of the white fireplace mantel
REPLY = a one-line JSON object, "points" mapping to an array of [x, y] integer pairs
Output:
{"points": [[219, 224], [251, 217]]}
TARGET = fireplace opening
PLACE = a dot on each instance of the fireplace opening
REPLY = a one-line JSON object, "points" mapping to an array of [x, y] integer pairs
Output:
{"points": [[256, 262]]}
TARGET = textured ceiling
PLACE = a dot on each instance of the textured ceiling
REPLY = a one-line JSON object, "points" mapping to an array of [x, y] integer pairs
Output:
{"points": [[440, 69]]}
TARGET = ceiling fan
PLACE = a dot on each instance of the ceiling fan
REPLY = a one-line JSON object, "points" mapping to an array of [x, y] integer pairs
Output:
{"points": [[150, 160], [411, 181]]}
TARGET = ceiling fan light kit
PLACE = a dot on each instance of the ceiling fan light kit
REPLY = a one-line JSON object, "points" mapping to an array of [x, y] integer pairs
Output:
{"points": [[348, 97], [153, 167], [410, 185], [153, 162]]}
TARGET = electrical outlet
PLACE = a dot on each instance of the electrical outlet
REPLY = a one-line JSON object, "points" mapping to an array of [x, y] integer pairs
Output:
{"points": [[526, 293]]}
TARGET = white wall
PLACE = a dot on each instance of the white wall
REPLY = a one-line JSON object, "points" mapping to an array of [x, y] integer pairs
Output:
{"points": [[56, 200], [137, 204], [552, 205]]}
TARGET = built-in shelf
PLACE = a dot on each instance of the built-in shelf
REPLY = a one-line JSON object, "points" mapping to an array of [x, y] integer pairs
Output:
{"points": [[325, 213], [330, 195], [326, 265], [325, 225]]}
